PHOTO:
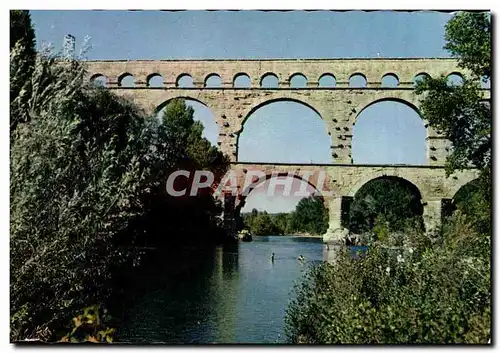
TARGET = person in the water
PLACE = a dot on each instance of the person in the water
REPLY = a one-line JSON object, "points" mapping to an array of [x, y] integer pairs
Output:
{"points": [[301, 258], [272, 257]]}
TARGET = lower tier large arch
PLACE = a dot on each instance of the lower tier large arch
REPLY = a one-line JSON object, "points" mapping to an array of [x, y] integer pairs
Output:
{"points": [[337, 107], [338, 182]]}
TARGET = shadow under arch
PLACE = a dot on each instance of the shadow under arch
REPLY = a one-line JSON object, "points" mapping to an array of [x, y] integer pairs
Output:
{"points": [[99, 80], [456, 73], [151, 78], [269, 75], [398, 205], [464, 192], [363, 81], [97, 75], [468, 186], [420, 77], [460, 196], [398, 179], [455, 78], [186, 76], [389, 80], [242, 76], [380, 175], [212, 80], [123, 77]]}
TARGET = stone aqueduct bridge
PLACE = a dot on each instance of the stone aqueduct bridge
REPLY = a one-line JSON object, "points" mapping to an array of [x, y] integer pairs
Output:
{"points": [[339, 106]]}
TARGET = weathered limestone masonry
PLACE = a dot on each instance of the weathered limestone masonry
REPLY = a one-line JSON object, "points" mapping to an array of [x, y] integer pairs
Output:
{"points": [[339, 107], [342, 181]]}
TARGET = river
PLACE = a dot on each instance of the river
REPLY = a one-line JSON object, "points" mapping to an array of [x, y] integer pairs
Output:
{"points": [[236, 296]]}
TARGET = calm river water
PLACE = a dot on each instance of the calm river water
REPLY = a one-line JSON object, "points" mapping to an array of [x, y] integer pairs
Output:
{"points": [[237, 296]]}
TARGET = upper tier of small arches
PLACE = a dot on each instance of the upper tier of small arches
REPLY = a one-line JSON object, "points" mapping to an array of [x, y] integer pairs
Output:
{"points": [[402, 73], [269, 80]]}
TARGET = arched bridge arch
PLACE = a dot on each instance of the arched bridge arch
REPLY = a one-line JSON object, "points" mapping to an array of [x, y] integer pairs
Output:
{"points": [[163, 104], [292, 179], [337, 104], [370, 175], [201, 113], [285, 125], [389, 130]]}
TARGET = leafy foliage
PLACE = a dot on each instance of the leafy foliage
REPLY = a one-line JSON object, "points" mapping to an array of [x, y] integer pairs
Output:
{"points": [[22, 59], [474, 200], [186, 134], [462, 113], [310, 216], [389, 199], [262, 223], [468, 38], [76, 185], [79, 171], [90, 327], [416, 294], [186, 216], [88, 172], [21, 30]]}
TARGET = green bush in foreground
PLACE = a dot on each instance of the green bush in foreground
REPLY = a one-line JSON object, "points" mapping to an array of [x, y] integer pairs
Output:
{"points": [[412, 294], [87, 172], [90, 326], [81, 164]]}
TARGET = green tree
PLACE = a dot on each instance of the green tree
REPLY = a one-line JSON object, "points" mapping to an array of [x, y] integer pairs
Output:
{"points": [[262, 224], [395, 200], [462, 112], [21, 30], [468, 38], [79, 169], [88, 174], [310, 216], [282, 222], [178, 122], [22, 60], [183, 217]]}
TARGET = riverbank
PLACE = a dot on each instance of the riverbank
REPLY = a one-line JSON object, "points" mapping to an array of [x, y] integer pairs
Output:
{"points": [[306, 235], [297, 235], [303, 235]]}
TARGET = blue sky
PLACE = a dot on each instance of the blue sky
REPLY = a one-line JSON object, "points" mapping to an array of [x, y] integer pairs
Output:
{"points": [[248, 34], [281, 132]]}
